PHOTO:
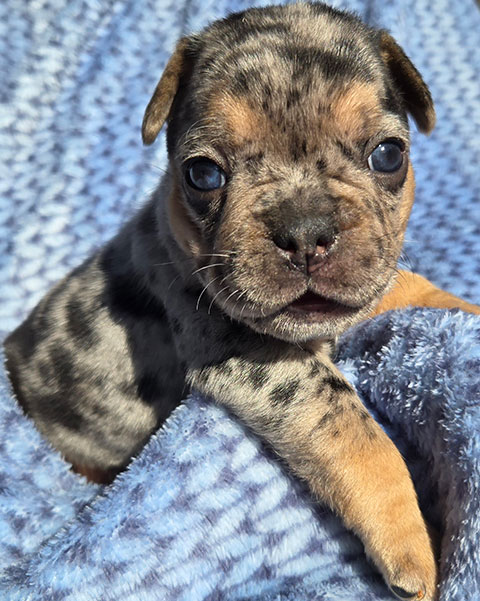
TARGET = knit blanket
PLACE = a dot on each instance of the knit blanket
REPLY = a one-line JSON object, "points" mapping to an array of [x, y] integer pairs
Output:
{"points": [[206, 512]]}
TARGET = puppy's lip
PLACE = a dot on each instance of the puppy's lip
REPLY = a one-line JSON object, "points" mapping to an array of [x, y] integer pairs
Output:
{"points": [[315, 303]]}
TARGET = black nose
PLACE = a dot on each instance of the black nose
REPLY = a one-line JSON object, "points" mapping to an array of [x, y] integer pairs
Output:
{"points": [[307, 241]]}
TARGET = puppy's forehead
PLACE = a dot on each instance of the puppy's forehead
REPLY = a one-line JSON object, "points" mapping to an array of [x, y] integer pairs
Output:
{"points": [[295, 38], [284, 67]]}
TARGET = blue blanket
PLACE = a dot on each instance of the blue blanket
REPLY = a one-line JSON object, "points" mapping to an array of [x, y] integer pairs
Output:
{"points": [[205, 512]]}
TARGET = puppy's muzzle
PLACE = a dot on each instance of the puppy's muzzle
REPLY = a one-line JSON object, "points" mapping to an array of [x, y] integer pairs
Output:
{"points": [[306, 242]]}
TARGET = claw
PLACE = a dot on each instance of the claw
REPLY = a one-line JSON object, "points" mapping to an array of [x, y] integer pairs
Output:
{"points": [[405, 595]]}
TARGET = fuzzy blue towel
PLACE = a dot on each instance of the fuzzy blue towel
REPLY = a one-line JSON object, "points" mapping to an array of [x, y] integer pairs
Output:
{"points": [[205, 512]]}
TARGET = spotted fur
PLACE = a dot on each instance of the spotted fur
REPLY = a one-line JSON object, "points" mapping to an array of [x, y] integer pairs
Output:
{"points": [[199, 288]]}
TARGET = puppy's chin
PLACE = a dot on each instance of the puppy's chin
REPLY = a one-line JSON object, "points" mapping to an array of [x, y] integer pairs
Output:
{"points": [[310, 319]]}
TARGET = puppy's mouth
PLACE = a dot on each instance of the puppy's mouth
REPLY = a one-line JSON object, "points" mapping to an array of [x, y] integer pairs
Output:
{"points": [[319, 306]]}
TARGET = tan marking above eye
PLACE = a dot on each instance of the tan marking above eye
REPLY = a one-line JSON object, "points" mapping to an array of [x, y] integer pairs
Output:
{"points": [[242, 122], [353, 108]]}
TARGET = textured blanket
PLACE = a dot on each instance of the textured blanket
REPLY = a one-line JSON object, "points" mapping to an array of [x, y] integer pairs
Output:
{"points": [[206, 512]]}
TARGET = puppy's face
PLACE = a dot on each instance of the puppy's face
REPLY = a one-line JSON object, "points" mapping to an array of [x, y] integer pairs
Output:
{"points": [[288, 143]]}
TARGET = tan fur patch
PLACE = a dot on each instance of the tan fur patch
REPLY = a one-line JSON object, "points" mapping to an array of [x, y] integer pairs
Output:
{"points": [[413, 290], [353, 108], [241, 121], [93, 474], [161, 102], [396, 523], [408, 197], [183, 228]]}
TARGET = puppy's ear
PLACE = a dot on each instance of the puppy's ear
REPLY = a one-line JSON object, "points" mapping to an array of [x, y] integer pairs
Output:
{"points": [[161, 102], [409, 82]]}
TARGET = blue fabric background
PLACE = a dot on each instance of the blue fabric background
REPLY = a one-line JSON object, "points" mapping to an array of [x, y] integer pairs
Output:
{"points": [[205, 513]]}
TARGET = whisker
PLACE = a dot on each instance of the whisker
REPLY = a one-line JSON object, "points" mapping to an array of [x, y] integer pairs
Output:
{"points": [[206, 267], [406, 260], [230, 295], [213, 299], [217, 255], [188, 260], [173, 282], [203, 291], [157, 167], [239, 297], [243, 309]]}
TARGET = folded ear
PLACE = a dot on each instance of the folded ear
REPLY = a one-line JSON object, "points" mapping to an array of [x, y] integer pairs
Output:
{"points": [[161, 102], [409, 82]]}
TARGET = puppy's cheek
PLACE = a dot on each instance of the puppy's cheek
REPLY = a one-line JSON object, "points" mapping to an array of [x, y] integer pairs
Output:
{"points": [[358, 267], [183, 228], [407, 198], [366, 254]]}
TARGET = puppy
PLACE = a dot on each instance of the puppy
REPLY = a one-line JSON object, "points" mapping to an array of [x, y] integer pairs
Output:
{"points": [[277, 226]]}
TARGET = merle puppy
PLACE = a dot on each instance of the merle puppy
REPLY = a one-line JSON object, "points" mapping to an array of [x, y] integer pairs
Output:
{"points": [[277, 226]]}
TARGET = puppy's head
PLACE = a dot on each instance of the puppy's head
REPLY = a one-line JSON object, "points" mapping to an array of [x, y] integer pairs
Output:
{"points": [[288, 143]]}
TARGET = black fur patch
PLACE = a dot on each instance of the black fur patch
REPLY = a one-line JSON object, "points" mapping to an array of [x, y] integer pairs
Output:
{"points": [[176, 326], [284, 393], [346, 151], [258, 376], [125, 294], [243, 80], [79, 325], [392, 103], [330, 415], [367, 262], [147, 223], [149, 389], [337, 385], [24, 340], [62, 363], [330, 64], [56, 409], [293, 97]]}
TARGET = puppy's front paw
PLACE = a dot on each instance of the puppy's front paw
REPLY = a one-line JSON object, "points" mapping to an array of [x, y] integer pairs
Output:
{"points": [[412, 573], [375, 496], [398, 540]]}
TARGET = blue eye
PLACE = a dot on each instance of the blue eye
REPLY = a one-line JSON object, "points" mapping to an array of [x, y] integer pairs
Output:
{"points": [[387, 157], [205, 175]]}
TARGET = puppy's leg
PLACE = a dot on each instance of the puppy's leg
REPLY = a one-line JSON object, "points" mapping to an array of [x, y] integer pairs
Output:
{"points": [[94, 364], [307, 411], [414, 290]]}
